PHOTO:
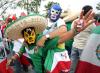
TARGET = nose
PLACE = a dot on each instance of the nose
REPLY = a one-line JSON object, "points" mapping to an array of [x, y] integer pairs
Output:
{"points": [[30, 38], [54, 13]]}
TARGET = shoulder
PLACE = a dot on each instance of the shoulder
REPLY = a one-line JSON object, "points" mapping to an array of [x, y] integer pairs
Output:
{"points": [[96, 30], [91, 26], [60, 22]]}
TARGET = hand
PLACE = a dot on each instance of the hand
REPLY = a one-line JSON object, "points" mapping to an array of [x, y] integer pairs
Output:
{"points": [[11, 60], [8, 63], [41, 42], [5, 39], [84, 21]]}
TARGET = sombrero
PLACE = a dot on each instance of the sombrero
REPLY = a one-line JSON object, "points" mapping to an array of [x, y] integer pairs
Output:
{"points": [[63, 14], [13, 30], [70, 15]]}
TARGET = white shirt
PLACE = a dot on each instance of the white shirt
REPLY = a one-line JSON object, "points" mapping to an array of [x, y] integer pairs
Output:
{"points": [[17, 45], [80, 39], [53, 25]]}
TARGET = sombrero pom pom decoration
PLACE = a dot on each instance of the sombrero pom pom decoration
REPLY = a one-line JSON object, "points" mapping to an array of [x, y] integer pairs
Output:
{"points": [[13, 30]]}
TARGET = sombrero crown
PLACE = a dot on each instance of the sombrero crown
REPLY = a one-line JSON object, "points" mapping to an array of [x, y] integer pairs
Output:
{"points": [[13, 30]]}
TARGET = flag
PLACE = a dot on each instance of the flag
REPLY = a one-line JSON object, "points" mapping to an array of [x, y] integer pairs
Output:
{"points": [[3, 68], [90, 58], [57, 62]]}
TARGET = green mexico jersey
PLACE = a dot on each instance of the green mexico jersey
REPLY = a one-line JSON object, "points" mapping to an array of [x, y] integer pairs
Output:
{"points": [[38, 57]]}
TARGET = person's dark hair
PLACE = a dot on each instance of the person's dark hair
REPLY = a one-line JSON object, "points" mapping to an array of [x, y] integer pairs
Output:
{"points": [[29, 29], [86, 8], [97, 17]]}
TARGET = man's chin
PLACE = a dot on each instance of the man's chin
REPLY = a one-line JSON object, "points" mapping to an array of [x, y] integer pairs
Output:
{"points": [[53, 19], [30, 43]]}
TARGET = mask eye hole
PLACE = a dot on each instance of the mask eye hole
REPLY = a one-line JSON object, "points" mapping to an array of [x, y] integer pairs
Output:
{"points": [[26, 34], [52, 11], [32, 33], [57, 12]]}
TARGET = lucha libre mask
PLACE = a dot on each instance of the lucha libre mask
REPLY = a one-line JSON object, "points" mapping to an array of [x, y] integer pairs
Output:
{"points": [[29, 35], [54, 12]]}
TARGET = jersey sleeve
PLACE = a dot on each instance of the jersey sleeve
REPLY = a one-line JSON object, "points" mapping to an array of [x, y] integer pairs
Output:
{"points": [[51, 43], [22, 49]]}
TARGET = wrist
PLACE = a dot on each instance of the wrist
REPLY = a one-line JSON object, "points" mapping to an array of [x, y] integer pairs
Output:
{"points": [[11, 59], [47, 36], [15, 57], [75, 31]]}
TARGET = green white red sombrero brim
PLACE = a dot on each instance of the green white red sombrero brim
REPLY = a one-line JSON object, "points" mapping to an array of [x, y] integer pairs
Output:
{"points": [[13, 30]]}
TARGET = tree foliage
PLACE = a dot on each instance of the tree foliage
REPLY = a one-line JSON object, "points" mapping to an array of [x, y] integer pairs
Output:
{"points": [[30, 6], [98, 6], [50, 4], [47, 7]]}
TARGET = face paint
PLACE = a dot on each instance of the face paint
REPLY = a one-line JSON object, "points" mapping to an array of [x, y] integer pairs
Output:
{"points": [[29, 36], [54, 14]]}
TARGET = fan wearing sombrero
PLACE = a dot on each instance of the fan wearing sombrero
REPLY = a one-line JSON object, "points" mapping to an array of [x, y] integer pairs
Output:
{"points": [[28, 28]]}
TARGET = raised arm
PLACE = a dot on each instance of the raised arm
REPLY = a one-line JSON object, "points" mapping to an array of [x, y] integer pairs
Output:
{"points": [[16, 56], [85, 21], [13, 58], [58, 32]]}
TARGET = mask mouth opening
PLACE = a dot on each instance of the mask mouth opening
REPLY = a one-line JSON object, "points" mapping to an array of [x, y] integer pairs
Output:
{"points": [[30, 41], [53, 17]]}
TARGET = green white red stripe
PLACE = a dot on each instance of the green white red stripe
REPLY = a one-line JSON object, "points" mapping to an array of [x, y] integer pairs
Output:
{"points": [[57, 62], [90, 59]]}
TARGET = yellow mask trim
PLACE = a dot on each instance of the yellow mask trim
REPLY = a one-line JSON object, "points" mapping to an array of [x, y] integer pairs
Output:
{"points": [[30, 38]]}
